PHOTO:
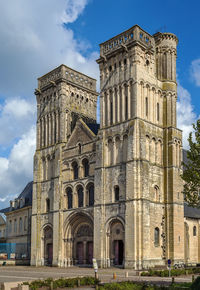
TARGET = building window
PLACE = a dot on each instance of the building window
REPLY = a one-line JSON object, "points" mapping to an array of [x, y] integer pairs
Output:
{"points": [[86, 167], [47, 205], [75, 169], [194, 231], [15, 226], [79, 148], [20, 224], [91, 195], [146, 107], [80, 197], [116, 190], [10, 227], [111, 109], [69, 198], [158, 112], [156, 237], [126, 108], [25, 223], [156, 193]]}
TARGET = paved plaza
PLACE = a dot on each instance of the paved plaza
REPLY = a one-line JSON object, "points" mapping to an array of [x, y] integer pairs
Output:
{"points": [[27, 273]]}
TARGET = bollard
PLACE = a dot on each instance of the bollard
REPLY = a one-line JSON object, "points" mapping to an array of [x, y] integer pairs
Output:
{"points": [[126, 274], [79, 283], [192, 278], [173, 280], [51, 285], [114, 276]]}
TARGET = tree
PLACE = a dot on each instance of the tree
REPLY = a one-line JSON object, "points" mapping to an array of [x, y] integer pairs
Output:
{"points": [[191, 172]]}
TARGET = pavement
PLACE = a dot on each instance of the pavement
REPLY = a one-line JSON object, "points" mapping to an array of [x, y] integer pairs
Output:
{"points": [[28, 273]]}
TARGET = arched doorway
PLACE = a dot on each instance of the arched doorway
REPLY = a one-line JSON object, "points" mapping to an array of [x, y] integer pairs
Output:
{"points": [[48, 245], [79, 240], [116, 242]]}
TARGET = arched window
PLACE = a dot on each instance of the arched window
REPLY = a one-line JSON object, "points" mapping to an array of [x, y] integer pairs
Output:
{"points": [[194, 231], [69, 197], [79, 148], [118, 151], [147, 147], [156, 193], [91, 195], [116, 190], [125, 148], [110, 152], [80, 197], [111, 108], [156, 237], [75, 169], [86, 167], [158, 112], [146, 107], [47, 205]]}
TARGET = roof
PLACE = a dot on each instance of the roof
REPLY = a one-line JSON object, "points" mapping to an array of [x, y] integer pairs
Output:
{"points": [[191, 212], [2, 220], [26, 194], [93, 127]]}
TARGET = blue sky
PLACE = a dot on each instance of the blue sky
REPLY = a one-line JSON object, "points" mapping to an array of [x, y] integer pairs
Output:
{"points": [[38, 35]]}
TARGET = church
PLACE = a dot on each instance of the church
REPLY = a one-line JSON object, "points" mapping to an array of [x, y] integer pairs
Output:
{"points": [[111, 191]]}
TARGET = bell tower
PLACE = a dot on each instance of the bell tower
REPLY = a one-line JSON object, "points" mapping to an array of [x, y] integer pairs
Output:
{"points": [[139, 151]]}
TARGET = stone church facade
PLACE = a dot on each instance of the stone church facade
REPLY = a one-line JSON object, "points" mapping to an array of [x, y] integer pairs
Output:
{"points": [[111, 192]]}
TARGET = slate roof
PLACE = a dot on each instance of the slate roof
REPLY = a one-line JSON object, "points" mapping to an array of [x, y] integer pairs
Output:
{"points": [[2, 220], [191, 212], [93, 127], [26, 194]]}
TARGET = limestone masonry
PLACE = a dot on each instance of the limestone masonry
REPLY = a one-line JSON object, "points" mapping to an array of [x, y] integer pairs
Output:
{"points": [[112, 192]]}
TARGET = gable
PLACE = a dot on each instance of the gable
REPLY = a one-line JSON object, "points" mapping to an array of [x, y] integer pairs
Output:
{"points": [[81, 134]]}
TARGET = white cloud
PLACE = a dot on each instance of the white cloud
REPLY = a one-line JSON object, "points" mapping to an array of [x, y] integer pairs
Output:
{"points": [[16, 117], [195, 71], [185, 113], [33, 41], [17, 169]]}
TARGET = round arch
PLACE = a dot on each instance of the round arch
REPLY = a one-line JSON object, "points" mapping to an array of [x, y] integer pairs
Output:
{"points": [[47, 244], [115, 233], [78, 241]]}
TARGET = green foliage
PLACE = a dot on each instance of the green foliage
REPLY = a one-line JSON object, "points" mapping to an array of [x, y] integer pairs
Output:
{"points": [[62, 283], [196, 284], [191, 174], [174, 272]]}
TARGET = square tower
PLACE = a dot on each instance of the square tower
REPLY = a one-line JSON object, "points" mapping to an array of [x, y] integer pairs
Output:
{"points": [[138, 162], [63, 97]]}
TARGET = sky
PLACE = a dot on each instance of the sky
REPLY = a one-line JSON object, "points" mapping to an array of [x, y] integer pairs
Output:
{"points": [[36, 36]]}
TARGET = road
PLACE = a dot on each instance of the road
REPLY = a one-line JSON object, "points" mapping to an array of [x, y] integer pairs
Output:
{"points": [[28, 273]]}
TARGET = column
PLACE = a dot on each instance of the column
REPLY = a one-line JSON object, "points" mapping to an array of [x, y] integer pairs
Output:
{"points": [[123, 102], [49, 121], [129, 99], [114, 106], [102, 111], [118, 105], [53, 128], [108, 109], [56, 124], [38, 134], [43, 132], [46, 130]]}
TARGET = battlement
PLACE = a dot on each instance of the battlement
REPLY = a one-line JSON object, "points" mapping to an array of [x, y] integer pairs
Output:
{"points": [[165, 36], [127, 37], [65, 73]]}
